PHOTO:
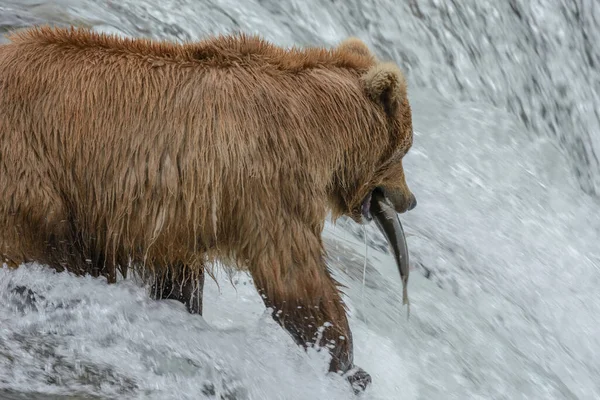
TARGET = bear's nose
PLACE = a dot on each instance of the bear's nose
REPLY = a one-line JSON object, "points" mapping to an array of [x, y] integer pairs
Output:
{"points": [[413, 202]]}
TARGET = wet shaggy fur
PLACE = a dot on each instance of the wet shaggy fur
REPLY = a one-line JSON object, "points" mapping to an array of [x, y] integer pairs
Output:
{"points": [[126, 153]]}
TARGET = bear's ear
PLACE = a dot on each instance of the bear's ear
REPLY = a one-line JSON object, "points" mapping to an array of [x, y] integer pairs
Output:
{"points": [[356, 46], [384, 83]]}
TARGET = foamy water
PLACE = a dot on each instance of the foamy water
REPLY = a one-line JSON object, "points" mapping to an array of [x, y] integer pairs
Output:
{"points": [[503, 244]]}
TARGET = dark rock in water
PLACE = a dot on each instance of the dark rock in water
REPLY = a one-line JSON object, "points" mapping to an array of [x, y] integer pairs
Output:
{"points": [[24, 299], [229, 394], [12, 395], [24, 291]]}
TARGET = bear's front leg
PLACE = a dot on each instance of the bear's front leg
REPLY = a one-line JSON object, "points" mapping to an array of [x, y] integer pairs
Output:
{"points": [[293, 280], [174, 283]]}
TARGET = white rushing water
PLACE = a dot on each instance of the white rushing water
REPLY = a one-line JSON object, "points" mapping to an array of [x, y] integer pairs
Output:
{"points": [[504, 242]]}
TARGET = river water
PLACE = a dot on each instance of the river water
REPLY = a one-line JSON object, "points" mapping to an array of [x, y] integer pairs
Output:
{"points": [[504, 242]]}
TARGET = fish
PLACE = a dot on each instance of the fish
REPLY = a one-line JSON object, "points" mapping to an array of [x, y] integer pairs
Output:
{"points": [[388, 222]]}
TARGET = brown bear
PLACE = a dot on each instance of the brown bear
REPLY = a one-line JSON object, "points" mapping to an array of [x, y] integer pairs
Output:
{"points": [[122, 154]]}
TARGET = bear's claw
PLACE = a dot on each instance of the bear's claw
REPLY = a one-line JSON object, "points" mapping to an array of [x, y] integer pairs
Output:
{"points": [[359, 379]]}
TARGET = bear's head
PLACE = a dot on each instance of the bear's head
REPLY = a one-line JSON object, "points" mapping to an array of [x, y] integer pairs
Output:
{"points": [[385, 84], [392, 136]]}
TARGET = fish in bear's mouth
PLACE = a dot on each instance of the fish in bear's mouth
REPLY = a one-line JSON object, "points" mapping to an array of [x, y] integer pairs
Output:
{"points": [[378, 207]]}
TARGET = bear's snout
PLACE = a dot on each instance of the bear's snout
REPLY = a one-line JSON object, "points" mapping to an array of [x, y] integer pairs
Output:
{"points": [[413, 202]]}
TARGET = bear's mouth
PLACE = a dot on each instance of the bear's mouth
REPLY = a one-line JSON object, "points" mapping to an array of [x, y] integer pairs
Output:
{"points": [[378, 207], [366, 207]]}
